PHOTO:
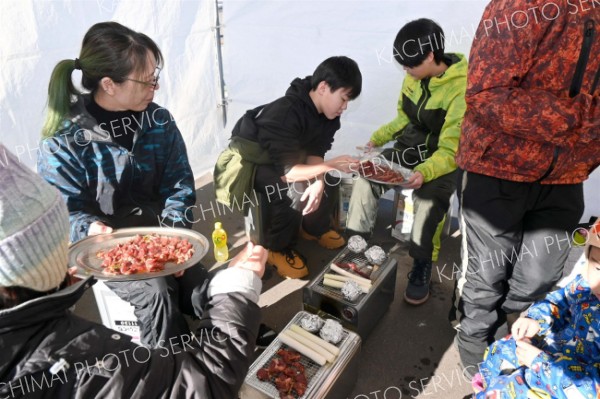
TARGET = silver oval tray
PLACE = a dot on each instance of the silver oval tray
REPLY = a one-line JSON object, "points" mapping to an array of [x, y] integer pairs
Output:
{"points": [[83, 253], [380, 160]]}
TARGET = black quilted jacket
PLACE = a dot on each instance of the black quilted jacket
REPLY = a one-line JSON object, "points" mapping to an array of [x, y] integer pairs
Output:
{"points": [[47, 352]]}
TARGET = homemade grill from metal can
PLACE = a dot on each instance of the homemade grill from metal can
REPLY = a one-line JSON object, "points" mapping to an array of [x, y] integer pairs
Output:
{"points": [[333, 380], [362, 314]]}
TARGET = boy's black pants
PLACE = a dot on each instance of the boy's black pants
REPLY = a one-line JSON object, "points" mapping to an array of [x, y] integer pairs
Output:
{"points": [[284, 216]]}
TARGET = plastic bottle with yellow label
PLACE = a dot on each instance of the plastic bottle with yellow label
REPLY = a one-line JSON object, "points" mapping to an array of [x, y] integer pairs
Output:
{"points": [[219, 237]]}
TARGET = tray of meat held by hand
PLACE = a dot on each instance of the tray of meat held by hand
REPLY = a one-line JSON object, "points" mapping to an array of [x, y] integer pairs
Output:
{"points": [[311, 358], [383, 171], [137, 253]]}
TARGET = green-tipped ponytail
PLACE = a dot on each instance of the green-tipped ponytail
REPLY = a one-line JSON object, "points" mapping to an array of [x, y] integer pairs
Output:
{"points": [[60, 92], [109, 49]]}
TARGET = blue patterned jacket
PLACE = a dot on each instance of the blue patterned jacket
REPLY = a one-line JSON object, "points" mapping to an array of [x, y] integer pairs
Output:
{"points": [[569, 320], [97, 176]]}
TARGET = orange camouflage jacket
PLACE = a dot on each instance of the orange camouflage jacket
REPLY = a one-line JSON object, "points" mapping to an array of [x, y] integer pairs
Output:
{"points": [[533, 95]]}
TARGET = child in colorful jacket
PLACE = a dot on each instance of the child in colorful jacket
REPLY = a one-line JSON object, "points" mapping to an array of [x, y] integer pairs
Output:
{"points": [[554, 350]]}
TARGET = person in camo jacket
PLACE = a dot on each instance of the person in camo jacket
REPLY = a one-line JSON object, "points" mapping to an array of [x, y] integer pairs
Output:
{"points": [[529, 140]]}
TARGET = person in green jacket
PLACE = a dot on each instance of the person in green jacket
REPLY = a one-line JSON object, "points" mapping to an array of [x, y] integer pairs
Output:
{"points": [[426, 130]]}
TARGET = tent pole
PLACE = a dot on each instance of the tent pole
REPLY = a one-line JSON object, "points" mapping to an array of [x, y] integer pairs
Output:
{"points": [[223, 104]]}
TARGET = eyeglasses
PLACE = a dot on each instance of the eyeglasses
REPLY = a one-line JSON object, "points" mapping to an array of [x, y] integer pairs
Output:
{"points": [[152, 83]]}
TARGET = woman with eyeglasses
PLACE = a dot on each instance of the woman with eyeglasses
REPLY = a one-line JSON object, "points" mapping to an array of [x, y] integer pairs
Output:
{"points": [[119, 160]]}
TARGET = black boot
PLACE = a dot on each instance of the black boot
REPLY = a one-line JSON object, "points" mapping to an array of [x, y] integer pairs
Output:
{"points": [[266, 335], [417, 290]]}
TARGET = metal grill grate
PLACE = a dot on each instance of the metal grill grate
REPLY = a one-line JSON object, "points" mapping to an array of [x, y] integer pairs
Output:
{"points": [[312, 370], [347, 256]]}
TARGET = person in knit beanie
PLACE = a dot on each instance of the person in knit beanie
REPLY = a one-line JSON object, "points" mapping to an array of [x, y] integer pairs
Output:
{"points": [[48, 352], [554, 348], [34, 229]]}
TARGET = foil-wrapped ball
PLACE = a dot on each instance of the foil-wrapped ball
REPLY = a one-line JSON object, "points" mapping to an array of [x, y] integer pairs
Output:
{"points": [[375, 255], [357, 244], [351, 290], [332, 331], [311, 323]]}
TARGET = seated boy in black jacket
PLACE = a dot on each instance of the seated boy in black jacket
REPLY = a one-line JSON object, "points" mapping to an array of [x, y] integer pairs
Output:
{"points": [[293, 134]]}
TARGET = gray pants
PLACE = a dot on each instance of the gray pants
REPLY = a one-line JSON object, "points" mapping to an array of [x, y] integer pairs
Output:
{"points": [[159, 304], [431, 203], [516, 239]]}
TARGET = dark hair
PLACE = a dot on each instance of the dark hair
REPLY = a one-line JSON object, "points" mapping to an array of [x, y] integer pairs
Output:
{"points": [[416, 40], [13, 296], [338, 72], [109, 49]]}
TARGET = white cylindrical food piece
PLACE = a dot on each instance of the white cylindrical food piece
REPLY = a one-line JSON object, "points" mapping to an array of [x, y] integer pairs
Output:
{"points": [[303, 349], [332, 283], [319, 341], [343, 272], [339, 284], [330, 357], [343, 279], [336, 277]]}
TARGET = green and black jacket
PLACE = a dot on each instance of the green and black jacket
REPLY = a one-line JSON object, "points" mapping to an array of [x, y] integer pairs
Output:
{"points": [[430, 113]]}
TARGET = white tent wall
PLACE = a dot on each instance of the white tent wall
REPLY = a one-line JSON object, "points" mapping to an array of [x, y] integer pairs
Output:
{"points": [[37, 34], [270, 42], [591, 190], [267, 44]]}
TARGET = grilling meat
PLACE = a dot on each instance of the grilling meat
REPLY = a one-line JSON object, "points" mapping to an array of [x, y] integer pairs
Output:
{"points": [[287, 373], [351, 266]]}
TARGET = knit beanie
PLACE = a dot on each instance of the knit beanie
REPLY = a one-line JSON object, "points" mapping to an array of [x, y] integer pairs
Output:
{"points": [[34, 228]]}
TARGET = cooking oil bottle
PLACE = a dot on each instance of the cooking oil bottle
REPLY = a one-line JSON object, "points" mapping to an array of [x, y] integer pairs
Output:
{"points": [[219, 237]]}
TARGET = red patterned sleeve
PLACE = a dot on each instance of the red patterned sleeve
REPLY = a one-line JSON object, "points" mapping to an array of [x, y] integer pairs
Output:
{"points": [[521, 67]]}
